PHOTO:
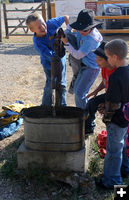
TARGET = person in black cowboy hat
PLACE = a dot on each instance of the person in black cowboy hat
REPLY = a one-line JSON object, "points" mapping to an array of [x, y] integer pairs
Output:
{"points": [[97, 102], [88, 39]]}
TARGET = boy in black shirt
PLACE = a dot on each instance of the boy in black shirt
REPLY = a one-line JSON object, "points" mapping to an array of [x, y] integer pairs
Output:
{"points": [[117, 94]]}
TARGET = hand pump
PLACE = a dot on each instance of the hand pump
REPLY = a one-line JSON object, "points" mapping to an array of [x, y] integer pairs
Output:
{"points": [[56, 69]]}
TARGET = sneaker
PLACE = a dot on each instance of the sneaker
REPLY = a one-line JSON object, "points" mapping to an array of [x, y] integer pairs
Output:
{"points": [[99, 183]]}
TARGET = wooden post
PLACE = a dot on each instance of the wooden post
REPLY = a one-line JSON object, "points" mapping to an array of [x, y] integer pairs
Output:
{"points": [[0, 26], [5, 20], [44, 11], [48, 9], [53, 11]]}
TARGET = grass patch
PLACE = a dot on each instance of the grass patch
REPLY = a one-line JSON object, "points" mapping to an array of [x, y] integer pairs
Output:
{"points": [[94, 167], [8, 169]]}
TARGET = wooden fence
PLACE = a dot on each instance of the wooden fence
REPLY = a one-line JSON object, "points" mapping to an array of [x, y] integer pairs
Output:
{"points": [[10, 30], [47, 9]]}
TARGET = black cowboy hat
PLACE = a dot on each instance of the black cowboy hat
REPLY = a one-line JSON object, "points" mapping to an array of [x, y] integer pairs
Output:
{"points": [[100, 50], [85, 20]]}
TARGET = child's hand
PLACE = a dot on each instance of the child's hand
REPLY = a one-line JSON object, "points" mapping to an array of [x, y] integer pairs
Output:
{"points": [[101, 108], [66, 19], [64, 39], [94, 93]]}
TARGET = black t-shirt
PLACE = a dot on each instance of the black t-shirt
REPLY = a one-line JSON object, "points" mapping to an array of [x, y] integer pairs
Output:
{"points": [[118, 92]]}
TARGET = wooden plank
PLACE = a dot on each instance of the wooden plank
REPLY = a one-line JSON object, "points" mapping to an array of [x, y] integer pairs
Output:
{"points": [[112, 17], [111, 2], [21, 10], [17, 18], [53, 10], [22, 26], [44, 11], [0, 26], [5, 20], [48, 9], [114, 31]]}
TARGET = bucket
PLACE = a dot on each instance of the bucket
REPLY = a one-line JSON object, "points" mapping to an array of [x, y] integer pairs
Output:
{"points": [[47, 132]]}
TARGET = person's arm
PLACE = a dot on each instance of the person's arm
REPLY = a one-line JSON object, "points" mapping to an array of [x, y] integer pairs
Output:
{"points": [[112, 99], [95, 92], [110, 109], [75, 53], [66, 19]]}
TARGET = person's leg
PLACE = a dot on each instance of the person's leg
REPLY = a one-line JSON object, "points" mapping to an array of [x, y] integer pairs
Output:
{"points": [[47, 93], [83, 83], [125, 161], [92, 107], [63, 82], [113, 158], [76, 65]]}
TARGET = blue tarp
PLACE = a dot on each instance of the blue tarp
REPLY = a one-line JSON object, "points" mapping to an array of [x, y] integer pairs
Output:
{"points": [[9, 129]]}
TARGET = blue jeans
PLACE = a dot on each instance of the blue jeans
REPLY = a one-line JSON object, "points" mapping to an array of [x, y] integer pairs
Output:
{"points": [[125, 161], [114, 156], [47, 93], [83, 83], [92, 107]]}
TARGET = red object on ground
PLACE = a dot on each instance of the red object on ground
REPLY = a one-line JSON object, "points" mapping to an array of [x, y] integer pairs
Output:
{"points": [[102, 139]]}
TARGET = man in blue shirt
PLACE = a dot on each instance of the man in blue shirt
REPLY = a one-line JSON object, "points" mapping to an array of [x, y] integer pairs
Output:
{"points": [[43, 40]]}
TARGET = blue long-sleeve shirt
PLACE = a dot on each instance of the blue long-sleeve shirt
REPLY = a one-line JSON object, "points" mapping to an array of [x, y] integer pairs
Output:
{"points": [[44, 45]]}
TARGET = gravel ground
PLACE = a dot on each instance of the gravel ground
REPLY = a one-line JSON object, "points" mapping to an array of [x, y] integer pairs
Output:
{"points": [[21, 75]]}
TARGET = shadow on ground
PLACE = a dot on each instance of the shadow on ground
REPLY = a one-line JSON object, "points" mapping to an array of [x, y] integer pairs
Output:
{"points": [[18, 49]]}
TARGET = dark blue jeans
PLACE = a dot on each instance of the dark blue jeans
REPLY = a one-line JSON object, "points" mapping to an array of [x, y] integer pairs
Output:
{"points": [[92, 107], [47, 93], [115, 160]]}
